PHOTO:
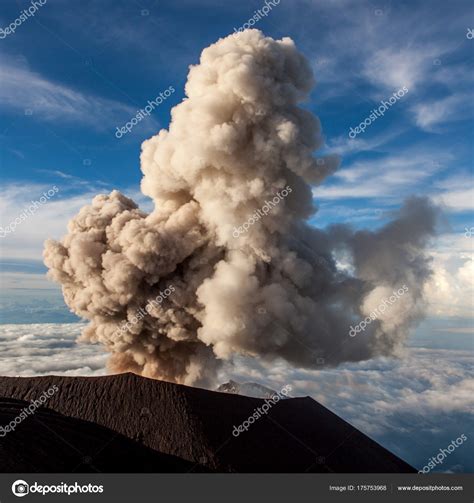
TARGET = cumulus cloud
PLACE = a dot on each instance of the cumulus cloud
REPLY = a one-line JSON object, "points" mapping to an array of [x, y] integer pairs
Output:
{"points": [[450, 289], [238, 141]]}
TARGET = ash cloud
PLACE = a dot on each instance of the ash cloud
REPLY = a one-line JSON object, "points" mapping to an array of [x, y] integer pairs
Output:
{"points": [[275, 291]]}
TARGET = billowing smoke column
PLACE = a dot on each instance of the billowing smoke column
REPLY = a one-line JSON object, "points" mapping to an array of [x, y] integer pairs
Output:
{"points": [[226, 263]]}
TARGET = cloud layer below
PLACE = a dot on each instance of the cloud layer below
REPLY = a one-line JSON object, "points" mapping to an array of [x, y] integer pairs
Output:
{"points": [[413, 406]]}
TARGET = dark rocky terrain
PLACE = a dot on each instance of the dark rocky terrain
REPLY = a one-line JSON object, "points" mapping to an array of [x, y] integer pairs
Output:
{"points": [[126, 423], [51, 442]]}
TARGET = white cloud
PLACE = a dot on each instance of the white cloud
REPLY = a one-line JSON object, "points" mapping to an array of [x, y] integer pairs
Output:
{"points": [[388, 176], [50, 219], [26, 91], [42, 349], [424, 381], [393, 68], [387, 47], [450, 292], [413, 406], [343, 145], [459, 200], [433, 113], [456, 192]]}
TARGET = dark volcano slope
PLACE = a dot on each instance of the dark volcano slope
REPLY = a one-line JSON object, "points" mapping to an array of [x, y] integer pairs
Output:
{"points": [[50, 442], [187, 424]]}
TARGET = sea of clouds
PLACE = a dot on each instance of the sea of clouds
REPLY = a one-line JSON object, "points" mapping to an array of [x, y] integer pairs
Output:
{"points": [[413, 406]]}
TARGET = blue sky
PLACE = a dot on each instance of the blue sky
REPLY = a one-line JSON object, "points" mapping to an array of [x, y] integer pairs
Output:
{"points": [[76, 71]]}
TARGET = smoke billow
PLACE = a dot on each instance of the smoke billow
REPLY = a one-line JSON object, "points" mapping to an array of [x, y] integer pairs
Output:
{"points": [[228, 242]]}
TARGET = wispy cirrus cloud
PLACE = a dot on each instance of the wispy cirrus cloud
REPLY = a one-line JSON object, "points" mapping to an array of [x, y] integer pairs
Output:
{"points": [[456, 192], [387, 47], [27, 92], [430, 114], [385, 177], [392, 68]]}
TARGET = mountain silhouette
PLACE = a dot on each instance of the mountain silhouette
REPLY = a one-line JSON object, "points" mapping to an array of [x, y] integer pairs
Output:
{"points": [[128, 423]]}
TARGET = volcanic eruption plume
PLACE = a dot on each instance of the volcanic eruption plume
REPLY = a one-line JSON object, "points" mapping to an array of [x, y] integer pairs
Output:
{"points": [[226, 263]]}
